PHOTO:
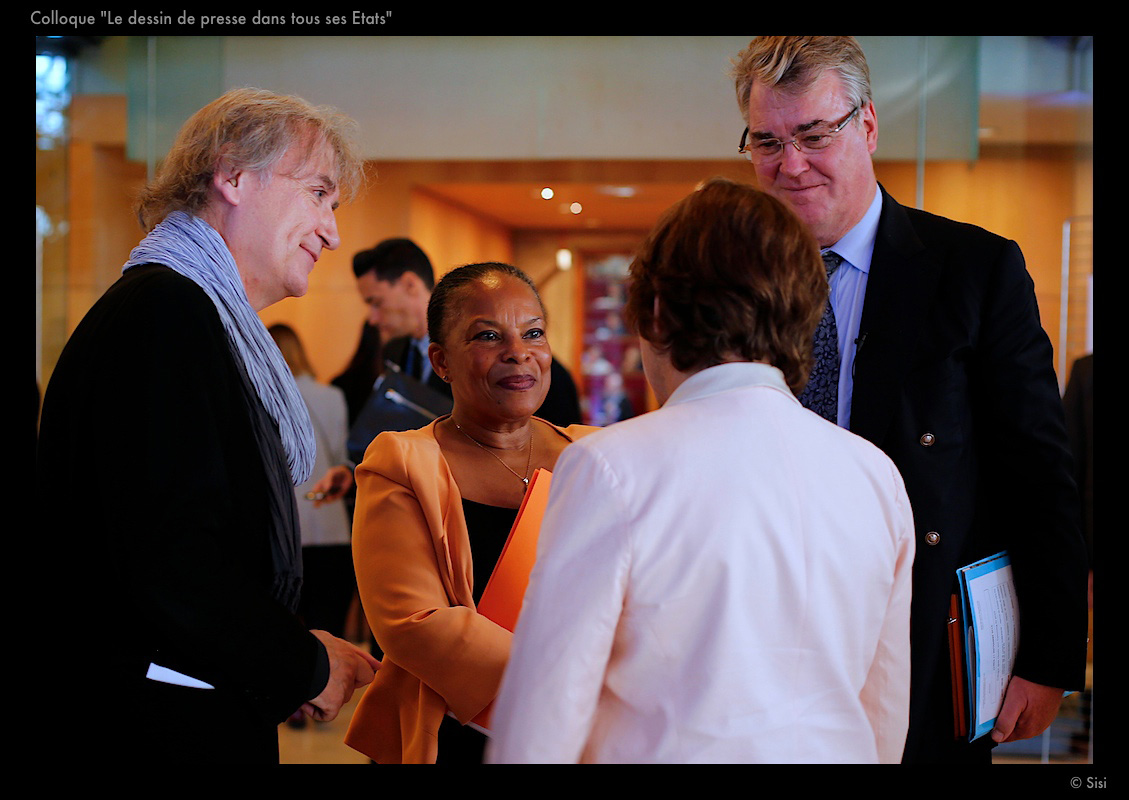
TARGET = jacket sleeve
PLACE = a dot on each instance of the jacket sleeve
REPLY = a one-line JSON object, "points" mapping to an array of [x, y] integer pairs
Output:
{"points": [[885, 695], [563, 643], [399, 538], [1033, 499]]}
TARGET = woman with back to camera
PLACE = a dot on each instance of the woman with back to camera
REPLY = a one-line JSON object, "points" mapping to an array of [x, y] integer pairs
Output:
{"points": [[434, 508], [725, 579]]}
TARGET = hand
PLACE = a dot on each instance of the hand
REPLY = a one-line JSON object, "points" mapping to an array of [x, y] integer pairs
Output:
{"points": [[350, 667], [1028, 710], [333, 485]]}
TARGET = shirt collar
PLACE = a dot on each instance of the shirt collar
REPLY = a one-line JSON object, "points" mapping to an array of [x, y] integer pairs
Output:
{"points": [[727, 377], [857, 245]]}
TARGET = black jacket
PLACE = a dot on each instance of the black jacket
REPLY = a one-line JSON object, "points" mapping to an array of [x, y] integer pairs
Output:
{"points": [[954, 381], [156, 521]]}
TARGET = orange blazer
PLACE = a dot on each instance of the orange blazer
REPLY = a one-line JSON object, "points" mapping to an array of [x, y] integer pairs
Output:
{"points": [[412, 555]]}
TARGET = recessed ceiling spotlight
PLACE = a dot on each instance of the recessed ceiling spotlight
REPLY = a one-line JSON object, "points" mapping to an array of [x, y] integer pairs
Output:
{"points": [[547, 193], [575, 208]]}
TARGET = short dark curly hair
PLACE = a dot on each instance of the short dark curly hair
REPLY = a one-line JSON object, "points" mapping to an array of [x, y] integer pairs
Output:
{"points": [[736, 276]]}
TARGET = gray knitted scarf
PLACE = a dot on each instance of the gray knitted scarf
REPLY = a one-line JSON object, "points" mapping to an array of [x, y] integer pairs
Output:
{"points": [[193, 248]]}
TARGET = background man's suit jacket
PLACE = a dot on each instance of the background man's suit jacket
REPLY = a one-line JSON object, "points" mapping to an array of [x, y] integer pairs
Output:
{"points": [[396, 351]]}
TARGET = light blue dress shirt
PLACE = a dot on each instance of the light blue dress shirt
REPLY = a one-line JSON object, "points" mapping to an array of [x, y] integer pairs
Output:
{"points": [[848, 291]]}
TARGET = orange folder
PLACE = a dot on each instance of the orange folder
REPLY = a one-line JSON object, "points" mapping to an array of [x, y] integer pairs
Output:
{"points": [[502, 597], [956, 667]]}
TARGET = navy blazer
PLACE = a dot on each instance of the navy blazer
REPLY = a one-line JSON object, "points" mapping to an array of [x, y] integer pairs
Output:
{"points": [[954, 381]]}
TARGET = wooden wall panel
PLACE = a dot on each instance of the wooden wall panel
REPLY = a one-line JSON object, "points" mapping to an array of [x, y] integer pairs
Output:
{"points": [[1024, 194]]}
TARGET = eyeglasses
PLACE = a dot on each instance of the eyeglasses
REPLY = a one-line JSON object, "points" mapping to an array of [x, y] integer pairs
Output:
{"points": [[812, 141]]}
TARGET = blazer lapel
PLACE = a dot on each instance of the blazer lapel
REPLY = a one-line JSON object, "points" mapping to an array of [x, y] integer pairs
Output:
{"points": [[899, 292]]}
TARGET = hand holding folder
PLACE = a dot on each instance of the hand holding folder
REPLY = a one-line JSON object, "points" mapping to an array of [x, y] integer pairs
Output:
{"points": [[983, 638], [504, 592], [984, 632]]}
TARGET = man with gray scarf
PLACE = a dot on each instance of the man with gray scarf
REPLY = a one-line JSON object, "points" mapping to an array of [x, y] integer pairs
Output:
{"points": [[171, 437]]}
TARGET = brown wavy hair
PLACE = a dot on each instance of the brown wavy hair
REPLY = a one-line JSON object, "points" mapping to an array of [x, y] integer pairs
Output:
{"points": [[246, 129], [737, 277]]}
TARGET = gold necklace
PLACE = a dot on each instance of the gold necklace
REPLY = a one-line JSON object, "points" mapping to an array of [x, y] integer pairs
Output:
{"points": [[529, 459]]}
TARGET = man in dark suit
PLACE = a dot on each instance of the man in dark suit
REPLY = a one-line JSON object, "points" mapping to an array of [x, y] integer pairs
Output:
{"points": [[171, 438], [937, 356], [395, 280]]}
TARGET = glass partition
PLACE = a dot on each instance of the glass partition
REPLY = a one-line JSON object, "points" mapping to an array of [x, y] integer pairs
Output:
{"points": [[52, 103]]}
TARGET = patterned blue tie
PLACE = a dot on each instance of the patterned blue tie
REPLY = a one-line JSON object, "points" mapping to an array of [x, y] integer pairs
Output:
{"points": [[821, 394]]}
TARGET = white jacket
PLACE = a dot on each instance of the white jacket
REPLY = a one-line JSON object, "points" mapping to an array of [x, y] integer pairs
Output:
{"points": [[726, 579]]}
